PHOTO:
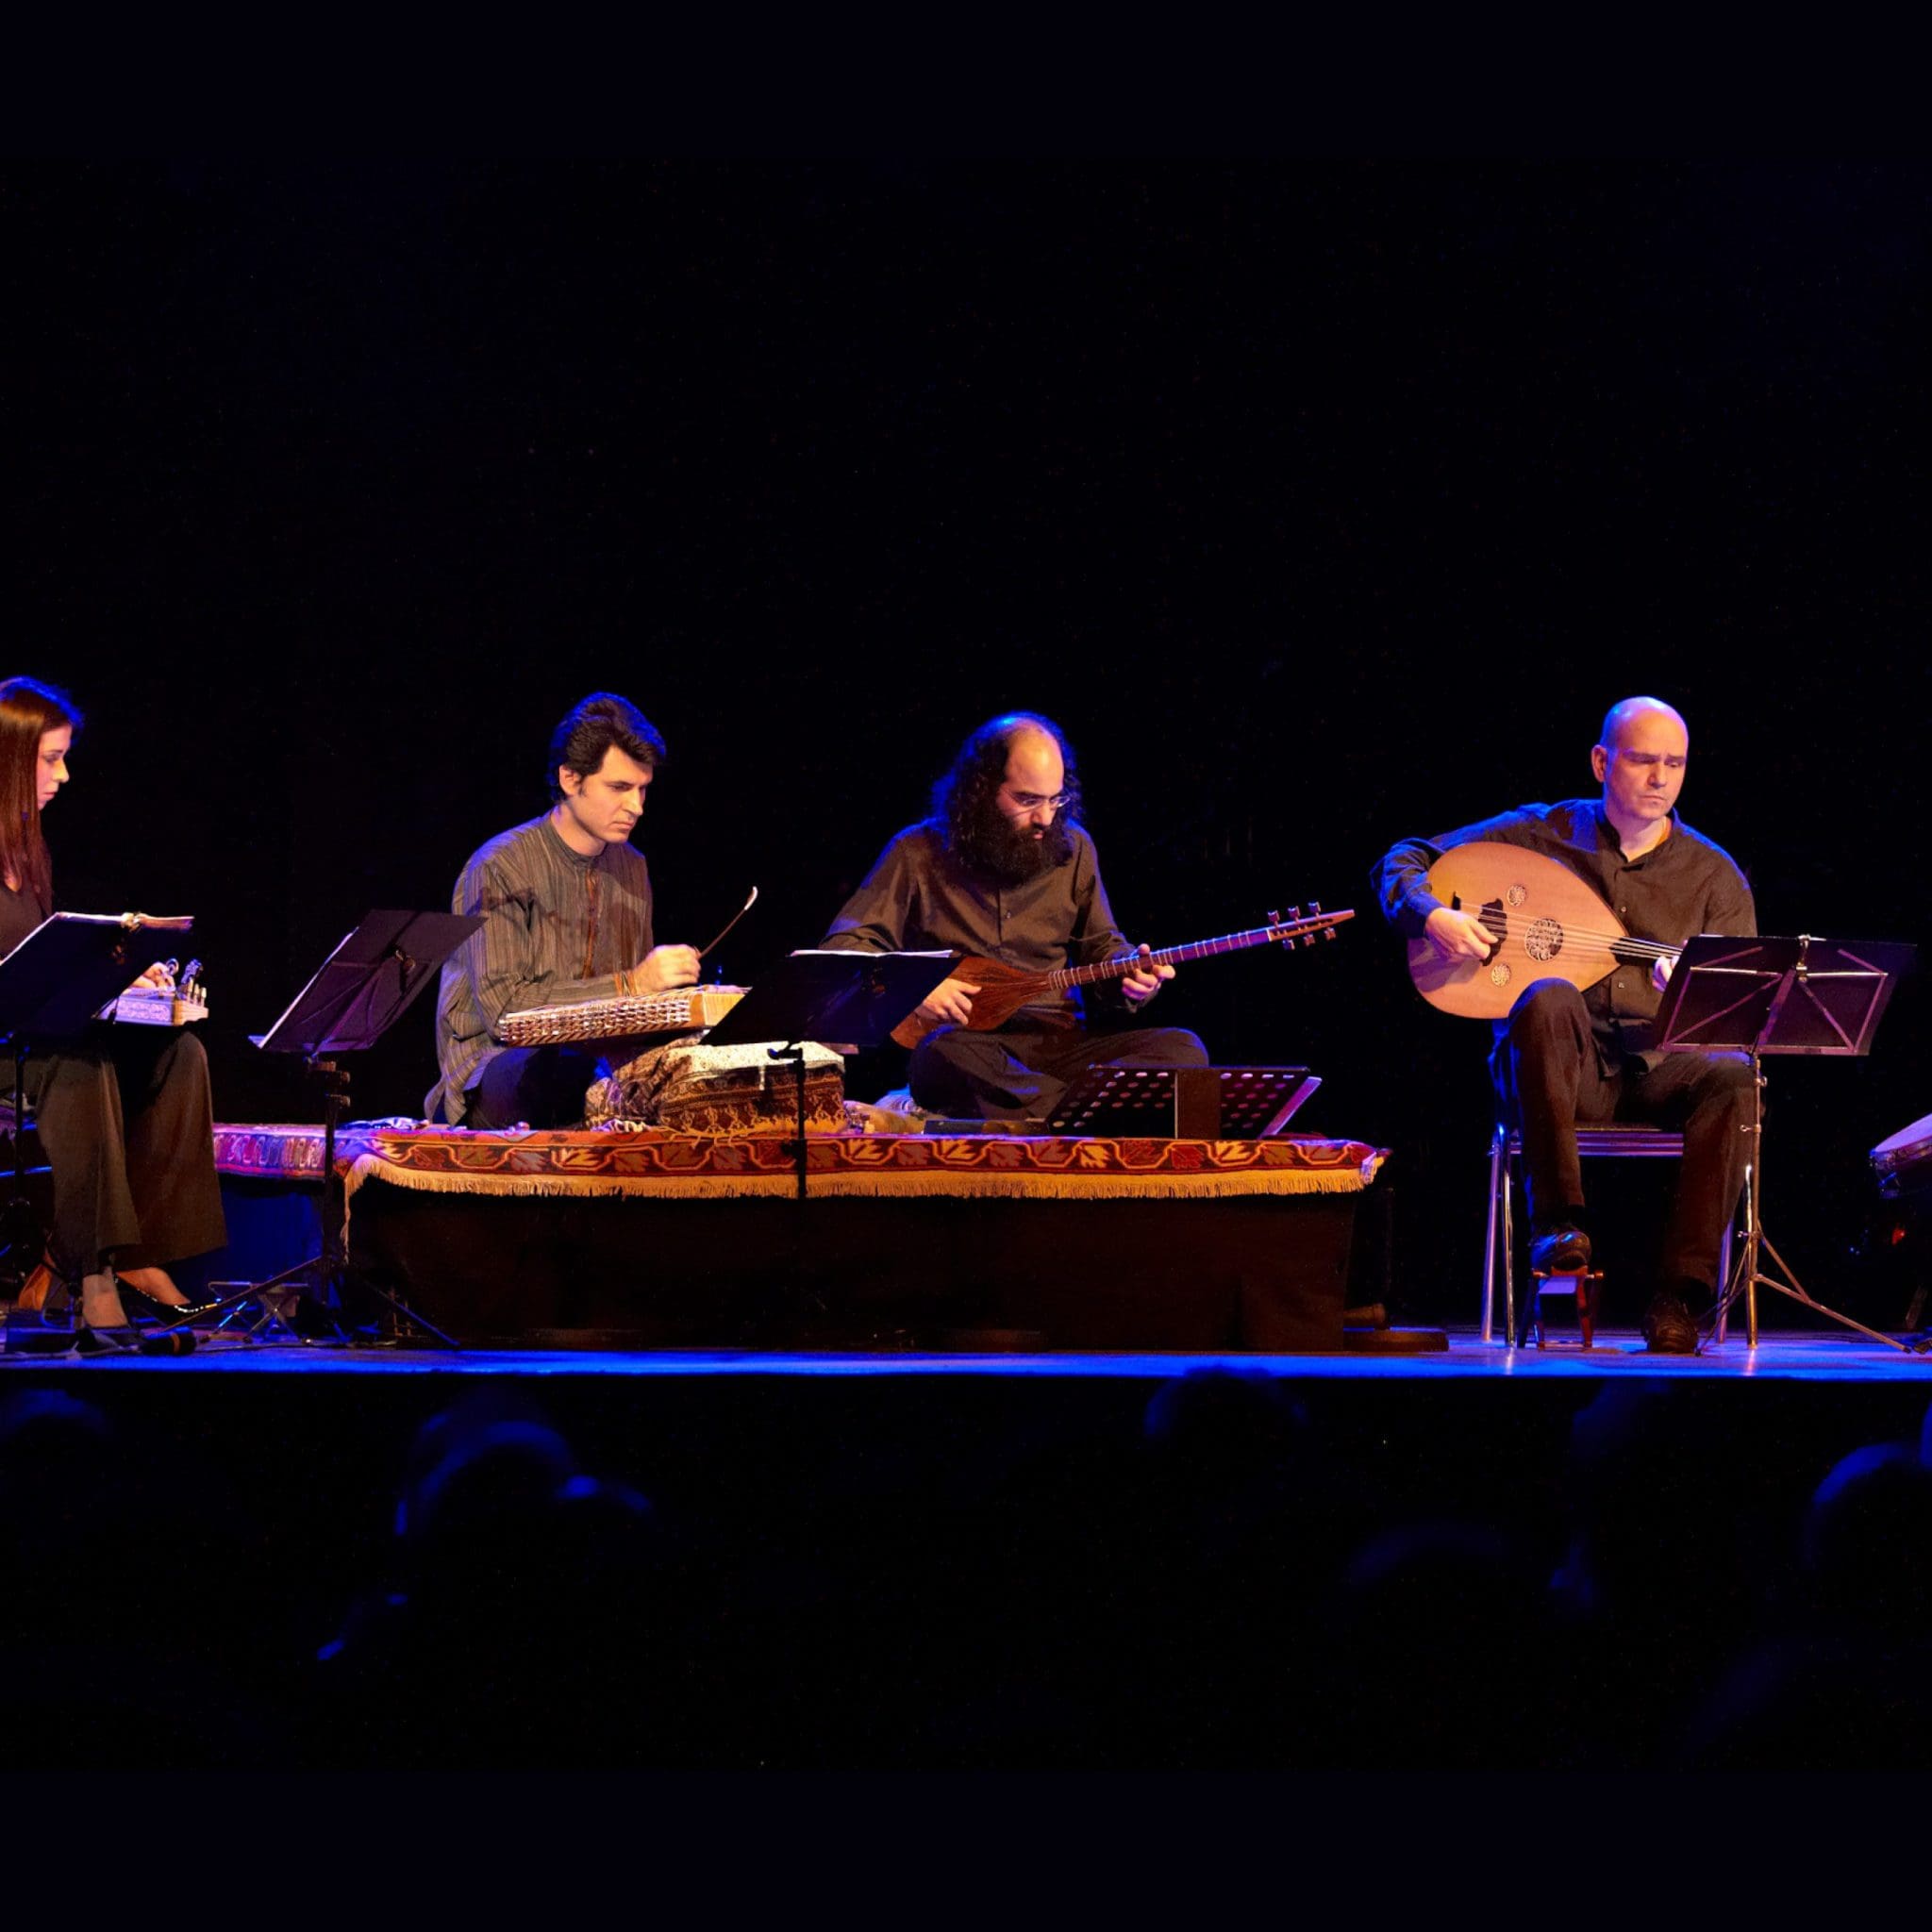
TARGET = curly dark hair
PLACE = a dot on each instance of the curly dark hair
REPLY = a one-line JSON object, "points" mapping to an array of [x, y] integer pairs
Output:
{"points": [[592, 727], [962, 800]]}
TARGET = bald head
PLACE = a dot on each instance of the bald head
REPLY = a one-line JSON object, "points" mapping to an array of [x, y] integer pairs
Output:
{"points": [[1639, 763], [1620, 716], [1035, 775], [1027, 743]]}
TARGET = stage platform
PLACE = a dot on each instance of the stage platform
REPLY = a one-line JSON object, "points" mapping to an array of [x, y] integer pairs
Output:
{"points": [[1472, 1427], [1780, 1357]]}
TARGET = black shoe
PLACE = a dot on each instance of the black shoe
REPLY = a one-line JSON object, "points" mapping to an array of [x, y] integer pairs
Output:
{"points": [[143, 1306], [1563, 1250], [131, 1341], [1668, 1326]]}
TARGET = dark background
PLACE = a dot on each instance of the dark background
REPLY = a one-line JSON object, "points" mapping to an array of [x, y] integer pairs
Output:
{"points": [[1321, 504]]}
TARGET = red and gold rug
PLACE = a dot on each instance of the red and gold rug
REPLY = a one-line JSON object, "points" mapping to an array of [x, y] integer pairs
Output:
{"points": [[700, 1167]]}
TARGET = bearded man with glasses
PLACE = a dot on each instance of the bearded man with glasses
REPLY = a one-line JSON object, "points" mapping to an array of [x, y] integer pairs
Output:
{"points": [[1001, 870]]}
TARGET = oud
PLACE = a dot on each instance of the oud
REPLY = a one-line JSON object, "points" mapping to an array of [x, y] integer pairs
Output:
{"points": [[1004, 989], [1547, 921]]}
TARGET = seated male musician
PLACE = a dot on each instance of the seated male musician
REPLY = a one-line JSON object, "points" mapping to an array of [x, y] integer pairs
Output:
{"points": [[1002, 871], [566, 909], [1564, 1058]]}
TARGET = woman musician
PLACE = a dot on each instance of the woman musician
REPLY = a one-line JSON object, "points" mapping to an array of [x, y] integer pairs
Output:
{"points": [[125, 1113]]}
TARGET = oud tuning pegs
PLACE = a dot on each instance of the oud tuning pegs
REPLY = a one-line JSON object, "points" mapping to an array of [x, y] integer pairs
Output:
{"points": [[1275, 919]]}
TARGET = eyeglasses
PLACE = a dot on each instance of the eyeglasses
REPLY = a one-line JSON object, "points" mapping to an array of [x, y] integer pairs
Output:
{"points": [[1032, 801]]}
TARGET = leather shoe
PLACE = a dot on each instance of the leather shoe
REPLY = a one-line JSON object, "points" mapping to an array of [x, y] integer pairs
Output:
{"points": [[1668, 1326], [1563, 1250], [143, 1306], [131, 1341]]}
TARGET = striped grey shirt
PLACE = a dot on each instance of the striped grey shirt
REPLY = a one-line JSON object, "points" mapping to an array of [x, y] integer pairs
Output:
{"points": [[557, 929]]}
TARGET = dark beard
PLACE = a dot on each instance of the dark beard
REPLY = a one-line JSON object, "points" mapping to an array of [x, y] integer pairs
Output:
{"points": [[989, 842]]}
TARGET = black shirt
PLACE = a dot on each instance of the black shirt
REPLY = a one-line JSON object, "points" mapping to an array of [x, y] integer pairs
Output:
{"points": [[1677, 889], [919, 898]]}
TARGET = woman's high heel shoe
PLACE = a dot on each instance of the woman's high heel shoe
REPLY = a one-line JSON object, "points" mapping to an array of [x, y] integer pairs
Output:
{"points": [[143, 1306], [131, 1341]]}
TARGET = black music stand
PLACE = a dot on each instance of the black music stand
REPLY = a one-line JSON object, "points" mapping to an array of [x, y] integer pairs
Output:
{"points": [[1147, 1100], [1802, 995], [53, 985], [852, 999], [355, 997]]}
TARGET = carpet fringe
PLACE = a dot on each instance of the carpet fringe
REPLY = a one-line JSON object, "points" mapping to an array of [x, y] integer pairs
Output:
{"points": [[978, 1186]]}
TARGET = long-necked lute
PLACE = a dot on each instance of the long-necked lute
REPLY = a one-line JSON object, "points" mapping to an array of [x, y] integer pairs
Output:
{"points": [[1548, 922], [1004, 989]]}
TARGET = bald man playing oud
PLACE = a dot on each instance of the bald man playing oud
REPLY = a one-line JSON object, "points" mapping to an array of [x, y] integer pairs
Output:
{"points": [[1565, 1057]]}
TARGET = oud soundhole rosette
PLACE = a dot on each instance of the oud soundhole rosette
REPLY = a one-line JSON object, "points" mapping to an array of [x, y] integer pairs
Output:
{"points": [[1517, 894], [1499, 973], [1543, 941]]}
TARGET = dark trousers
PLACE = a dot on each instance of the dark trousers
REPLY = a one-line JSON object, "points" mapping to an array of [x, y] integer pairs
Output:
{"points": [[1021, 1073], [532, 1087], [1553, 1076], [127, 1120]]}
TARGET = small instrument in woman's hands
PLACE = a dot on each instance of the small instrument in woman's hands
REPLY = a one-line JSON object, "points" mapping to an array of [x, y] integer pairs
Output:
{"points": [[168, 994]]}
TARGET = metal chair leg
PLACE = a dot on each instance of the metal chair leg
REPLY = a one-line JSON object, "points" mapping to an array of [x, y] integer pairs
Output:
{"points": [[1499, 1207], [1508, 1246]]}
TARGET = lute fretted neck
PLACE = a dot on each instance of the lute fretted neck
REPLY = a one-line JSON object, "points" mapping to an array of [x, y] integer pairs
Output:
{"points": [[1287, 929]]}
